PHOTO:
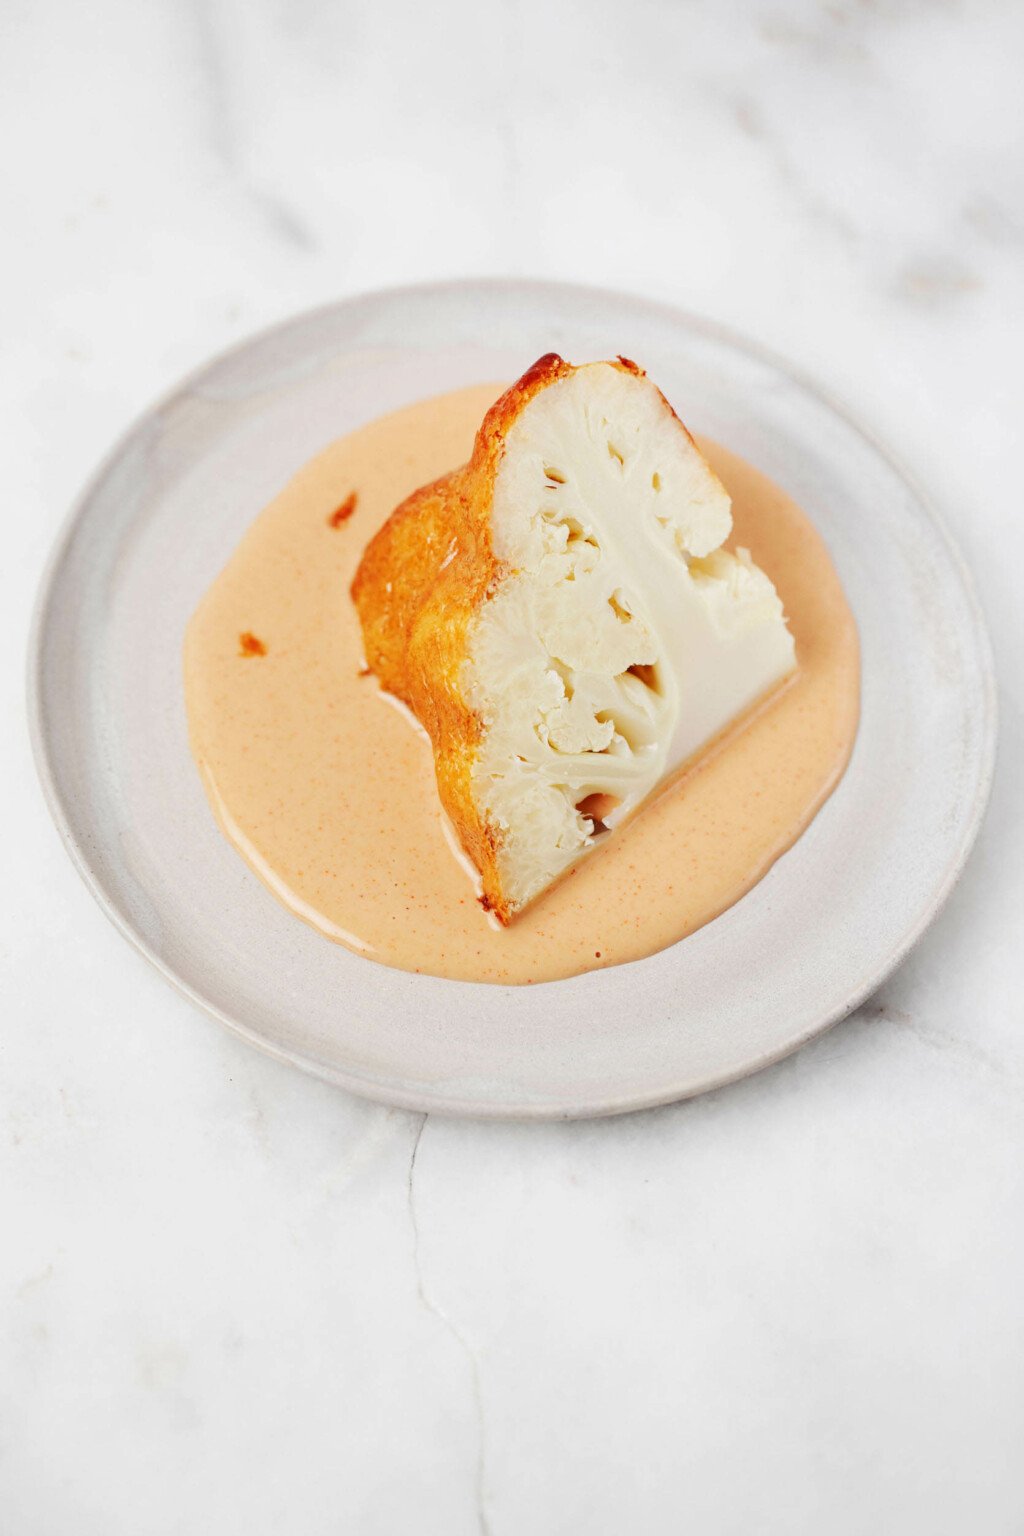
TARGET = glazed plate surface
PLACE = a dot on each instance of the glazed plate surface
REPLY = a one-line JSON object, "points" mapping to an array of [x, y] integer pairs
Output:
{"points": [[813, 939]]}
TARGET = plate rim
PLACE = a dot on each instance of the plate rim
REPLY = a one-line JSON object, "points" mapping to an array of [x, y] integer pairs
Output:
{"points": [[441, 1102]]}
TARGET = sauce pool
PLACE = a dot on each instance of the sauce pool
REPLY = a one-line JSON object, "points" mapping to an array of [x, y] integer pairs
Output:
{"points": [[329, 795]]}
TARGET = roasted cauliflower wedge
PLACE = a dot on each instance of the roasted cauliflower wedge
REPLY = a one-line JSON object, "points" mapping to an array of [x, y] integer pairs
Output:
{"points": [[562, 618]]}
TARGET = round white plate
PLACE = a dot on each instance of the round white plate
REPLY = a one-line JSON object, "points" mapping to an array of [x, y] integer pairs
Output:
{"points": [[831, 919]]}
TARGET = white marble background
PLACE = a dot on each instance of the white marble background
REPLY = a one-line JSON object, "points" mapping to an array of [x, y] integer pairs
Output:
{"points": [[233, 1300]]}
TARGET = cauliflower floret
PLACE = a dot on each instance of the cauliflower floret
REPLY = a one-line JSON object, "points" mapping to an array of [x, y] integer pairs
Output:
{"points": [[562, 618]]}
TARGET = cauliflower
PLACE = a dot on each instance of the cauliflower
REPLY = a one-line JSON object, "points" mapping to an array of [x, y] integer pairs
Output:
{"points": [[562, 618]]}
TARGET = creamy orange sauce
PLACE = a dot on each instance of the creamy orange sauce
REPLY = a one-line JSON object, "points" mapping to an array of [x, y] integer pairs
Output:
{"points": [[329, 795]]}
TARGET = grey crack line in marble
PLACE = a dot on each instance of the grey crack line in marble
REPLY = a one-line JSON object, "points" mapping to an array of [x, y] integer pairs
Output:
{"points": [[432, 1307]]}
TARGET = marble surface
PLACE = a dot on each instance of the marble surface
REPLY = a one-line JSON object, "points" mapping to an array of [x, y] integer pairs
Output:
{"points": [[233, 1299]]}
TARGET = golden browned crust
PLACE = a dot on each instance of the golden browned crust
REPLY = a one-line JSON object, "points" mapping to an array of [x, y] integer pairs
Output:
{"points": [[421, 581]]}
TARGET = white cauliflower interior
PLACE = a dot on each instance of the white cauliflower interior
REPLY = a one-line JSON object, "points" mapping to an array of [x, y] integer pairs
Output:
{"points": [[623, 638]]}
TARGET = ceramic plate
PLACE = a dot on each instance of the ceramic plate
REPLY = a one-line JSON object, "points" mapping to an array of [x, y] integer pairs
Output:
{"points": [[817, 935]]}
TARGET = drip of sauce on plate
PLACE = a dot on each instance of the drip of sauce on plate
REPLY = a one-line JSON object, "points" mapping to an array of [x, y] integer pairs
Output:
{"points": [[329, 795]]}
